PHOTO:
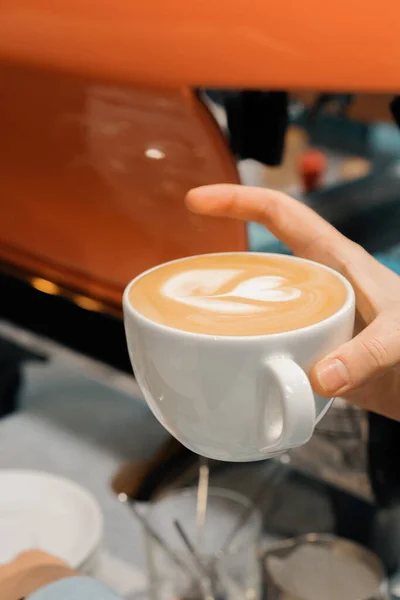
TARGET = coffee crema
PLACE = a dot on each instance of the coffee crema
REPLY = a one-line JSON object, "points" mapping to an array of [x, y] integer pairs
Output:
{"points": [[239, 294]]}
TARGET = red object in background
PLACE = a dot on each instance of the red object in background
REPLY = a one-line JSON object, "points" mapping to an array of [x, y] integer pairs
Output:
{"points": [[312, 165]]}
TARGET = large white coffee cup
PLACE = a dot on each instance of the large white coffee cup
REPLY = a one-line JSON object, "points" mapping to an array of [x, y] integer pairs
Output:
{"points": [[234, 398]]}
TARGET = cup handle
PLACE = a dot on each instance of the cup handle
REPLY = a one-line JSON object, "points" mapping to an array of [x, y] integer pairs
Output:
{"points": [[288, 404]]}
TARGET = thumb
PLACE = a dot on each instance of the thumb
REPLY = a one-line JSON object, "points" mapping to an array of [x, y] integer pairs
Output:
{"points": [[374, 350]]}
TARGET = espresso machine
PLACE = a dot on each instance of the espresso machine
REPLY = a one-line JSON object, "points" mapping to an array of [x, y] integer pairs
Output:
{"points": [[106, 124]]}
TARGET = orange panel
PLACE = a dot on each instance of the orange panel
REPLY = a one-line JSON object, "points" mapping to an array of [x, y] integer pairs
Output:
{"points": [[345, 45], [93, 176]]}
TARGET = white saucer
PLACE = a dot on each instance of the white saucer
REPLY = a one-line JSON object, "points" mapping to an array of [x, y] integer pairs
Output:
{"points": [[50, 513]]}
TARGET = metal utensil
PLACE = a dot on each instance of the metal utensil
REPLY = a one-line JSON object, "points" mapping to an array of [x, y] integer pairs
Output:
{"points": [[207, 583], [152, 533], [185, 538]]}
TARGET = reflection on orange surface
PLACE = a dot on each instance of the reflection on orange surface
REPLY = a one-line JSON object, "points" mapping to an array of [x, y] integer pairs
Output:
{"points": [[48, 287], [92, 180], [93, 176], [88, 303]]}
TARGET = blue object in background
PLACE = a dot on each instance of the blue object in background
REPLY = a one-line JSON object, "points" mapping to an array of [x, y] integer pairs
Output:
{"points": [[392, 262], [261, 240], [384, 140]]}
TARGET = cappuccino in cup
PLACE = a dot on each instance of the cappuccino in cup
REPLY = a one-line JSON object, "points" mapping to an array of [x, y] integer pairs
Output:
{"points": [[221, 346], [238, 294]]}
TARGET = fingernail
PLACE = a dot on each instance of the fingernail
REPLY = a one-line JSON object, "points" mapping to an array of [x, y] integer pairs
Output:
{"points": [[332, 375]]}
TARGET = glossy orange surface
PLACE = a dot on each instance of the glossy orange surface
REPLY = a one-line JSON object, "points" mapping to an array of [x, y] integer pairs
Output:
{"points": [[345, 45], [93, 177]]}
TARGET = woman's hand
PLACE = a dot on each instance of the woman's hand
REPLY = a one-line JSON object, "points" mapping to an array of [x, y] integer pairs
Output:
{"points": [[29, 572], [364, 370]]}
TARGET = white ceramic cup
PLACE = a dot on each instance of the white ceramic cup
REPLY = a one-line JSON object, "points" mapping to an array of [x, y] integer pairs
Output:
{"points": [[234, 398]]}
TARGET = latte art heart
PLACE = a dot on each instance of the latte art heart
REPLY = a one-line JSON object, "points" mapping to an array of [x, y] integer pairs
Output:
{"points": [[200, 288], [238, 294]]}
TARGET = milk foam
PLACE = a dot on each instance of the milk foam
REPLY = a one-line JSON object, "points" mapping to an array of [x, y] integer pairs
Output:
{"points": [[200, 287], [238, 294]]}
